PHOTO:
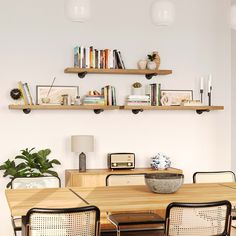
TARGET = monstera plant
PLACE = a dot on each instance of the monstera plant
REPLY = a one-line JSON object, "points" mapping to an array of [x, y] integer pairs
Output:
{"points": [[29, 164]]}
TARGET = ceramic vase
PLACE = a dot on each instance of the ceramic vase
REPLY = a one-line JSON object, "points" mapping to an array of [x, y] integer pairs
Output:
{"points": [[160, 162], [142, 64], [151, 65]]}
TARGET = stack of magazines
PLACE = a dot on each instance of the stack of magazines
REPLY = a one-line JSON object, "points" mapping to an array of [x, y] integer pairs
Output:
{"points": [[138, 100], [94, 100]]}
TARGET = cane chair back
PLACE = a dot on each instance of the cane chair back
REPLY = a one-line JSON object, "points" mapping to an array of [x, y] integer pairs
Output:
{"points": [[83, 221], [198, 219], [214, 177], [125, 179], [132, 219], [36, 182], [32, 182]]}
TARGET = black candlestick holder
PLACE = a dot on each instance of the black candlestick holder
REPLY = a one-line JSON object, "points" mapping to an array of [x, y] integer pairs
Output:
{"points": [[209, 97], [201, 95]]}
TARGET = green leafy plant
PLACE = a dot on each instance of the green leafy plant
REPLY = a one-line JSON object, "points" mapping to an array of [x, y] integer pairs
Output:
{"points": [[30, 164], [152, 57]]}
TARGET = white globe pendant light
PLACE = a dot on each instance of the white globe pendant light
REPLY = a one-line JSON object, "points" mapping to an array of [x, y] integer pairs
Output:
{"points": [[77, 10], [162, 12], [233, 16]]}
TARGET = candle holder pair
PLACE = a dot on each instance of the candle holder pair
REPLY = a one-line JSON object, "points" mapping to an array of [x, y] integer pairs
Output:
{"points": [[209, 89]]}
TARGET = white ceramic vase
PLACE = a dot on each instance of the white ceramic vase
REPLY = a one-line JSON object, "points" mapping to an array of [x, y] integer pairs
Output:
{"points": [[142, 64], [151, 65]]}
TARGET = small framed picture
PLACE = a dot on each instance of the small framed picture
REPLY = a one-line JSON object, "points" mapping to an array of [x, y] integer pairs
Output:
{"points": [[175, 97], [47, 95]]}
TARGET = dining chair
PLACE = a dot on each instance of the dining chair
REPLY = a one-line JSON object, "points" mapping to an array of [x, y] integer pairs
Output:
{"points": [[80, 221], [214, 177], [197, 219], [124, 221], [32, 182]]}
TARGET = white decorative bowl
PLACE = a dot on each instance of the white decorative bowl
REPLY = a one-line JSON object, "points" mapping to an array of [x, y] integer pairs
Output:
{"points": [[164, 182]]}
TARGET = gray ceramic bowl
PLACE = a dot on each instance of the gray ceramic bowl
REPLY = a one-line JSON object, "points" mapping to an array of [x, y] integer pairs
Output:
{"points": [[164, 183]]}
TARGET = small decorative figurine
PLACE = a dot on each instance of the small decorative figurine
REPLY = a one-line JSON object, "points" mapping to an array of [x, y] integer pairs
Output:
{"points": [[151, 65]]}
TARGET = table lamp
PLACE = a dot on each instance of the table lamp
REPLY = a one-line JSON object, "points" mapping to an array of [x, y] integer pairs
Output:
{"points": [[81, 144]]}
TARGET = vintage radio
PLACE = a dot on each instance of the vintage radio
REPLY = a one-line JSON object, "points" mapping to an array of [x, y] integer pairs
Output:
{"points": [[121, 160]]}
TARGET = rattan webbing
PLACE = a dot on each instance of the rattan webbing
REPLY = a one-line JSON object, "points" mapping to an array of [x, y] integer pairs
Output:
{"points": [[63, 224], [197, 221]]}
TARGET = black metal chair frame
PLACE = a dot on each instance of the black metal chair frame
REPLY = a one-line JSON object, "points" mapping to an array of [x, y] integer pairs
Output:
{"points": [[151, 218], [198, 205], [63, 210], [15, 227], [213, 172]]}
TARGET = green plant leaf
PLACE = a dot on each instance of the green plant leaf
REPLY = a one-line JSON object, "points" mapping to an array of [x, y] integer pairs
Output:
{"points": [[55, 161]]}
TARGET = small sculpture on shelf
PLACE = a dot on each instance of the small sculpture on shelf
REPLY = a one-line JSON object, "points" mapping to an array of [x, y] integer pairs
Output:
{"points": [[160, 162], [137, 89], [154, 61]]}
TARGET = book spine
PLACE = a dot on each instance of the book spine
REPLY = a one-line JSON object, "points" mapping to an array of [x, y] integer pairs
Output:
{"points": [[99, 59], [113, 96], [81, 56], [20, 85], [87, 56], [76, 56], [159, 94], [91, 56], [121, 60], [106, 58], [29, 94]]}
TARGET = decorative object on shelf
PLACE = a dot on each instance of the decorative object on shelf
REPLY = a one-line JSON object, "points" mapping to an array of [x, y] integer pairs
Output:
{"points": [[162, 12], [175, 97], [164, 182], [26, 94], [201, 89], [53, 94], [15, 94], [233, 16], [154, 92], [192, 103], [47, 99], [30, 164], [142, 64], [81, 144], [151, 65], [209, 89], [137, 89], [160, 162], [77, 10], [157, 59]]}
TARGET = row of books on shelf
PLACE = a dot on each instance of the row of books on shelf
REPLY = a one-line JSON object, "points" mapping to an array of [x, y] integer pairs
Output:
{"points": [[25, 93], [107, 97], [152, 97], [88, 57]]}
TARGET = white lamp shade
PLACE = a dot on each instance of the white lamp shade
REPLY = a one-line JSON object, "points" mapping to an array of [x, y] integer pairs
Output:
{"points": [[233, 16], [82, 143], [77, 10], [162, 13]]}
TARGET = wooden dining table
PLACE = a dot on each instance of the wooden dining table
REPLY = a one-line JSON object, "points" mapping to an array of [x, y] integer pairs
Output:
{"points": [[115, 198]]}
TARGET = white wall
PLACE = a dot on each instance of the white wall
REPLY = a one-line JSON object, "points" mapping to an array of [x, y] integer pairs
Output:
{"points": [[36, 45], [233, 97]]}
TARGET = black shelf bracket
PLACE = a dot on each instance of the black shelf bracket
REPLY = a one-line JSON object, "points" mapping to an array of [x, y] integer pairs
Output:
{"points": [[82, 74], [98, 111], [149, 76], [136, 111], [27, 110], [201, 111]]}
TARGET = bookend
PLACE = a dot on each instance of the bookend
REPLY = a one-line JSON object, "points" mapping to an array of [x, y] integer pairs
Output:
{"points": [[98, 111], [149, 76], [136, 111], [82, 74], [201, 111]]}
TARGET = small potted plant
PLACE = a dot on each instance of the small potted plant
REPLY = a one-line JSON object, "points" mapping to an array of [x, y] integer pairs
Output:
{"points": [[151, 65], [137, 88], [29, 164]]}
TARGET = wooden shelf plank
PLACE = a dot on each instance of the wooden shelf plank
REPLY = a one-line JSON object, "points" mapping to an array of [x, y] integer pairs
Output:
{"points": [[60, 107], [171, 108], [117, 71]]}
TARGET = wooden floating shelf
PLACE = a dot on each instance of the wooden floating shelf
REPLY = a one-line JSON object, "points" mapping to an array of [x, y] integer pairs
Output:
{"points": [[198, 109], [98, 109], [148, 73]]}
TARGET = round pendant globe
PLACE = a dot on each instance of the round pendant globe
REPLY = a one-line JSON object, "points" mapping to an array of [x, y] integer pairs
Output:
{"points": [[162, 13], [233, 16], [77, 10]]}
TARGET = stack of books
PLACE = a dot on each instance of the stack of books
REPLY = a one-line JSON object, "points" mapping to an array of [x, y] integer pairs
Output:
{"points": [[138, 100], [88, 57], [94, 100], [26, 94], [154, 92], [109, 93]]}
